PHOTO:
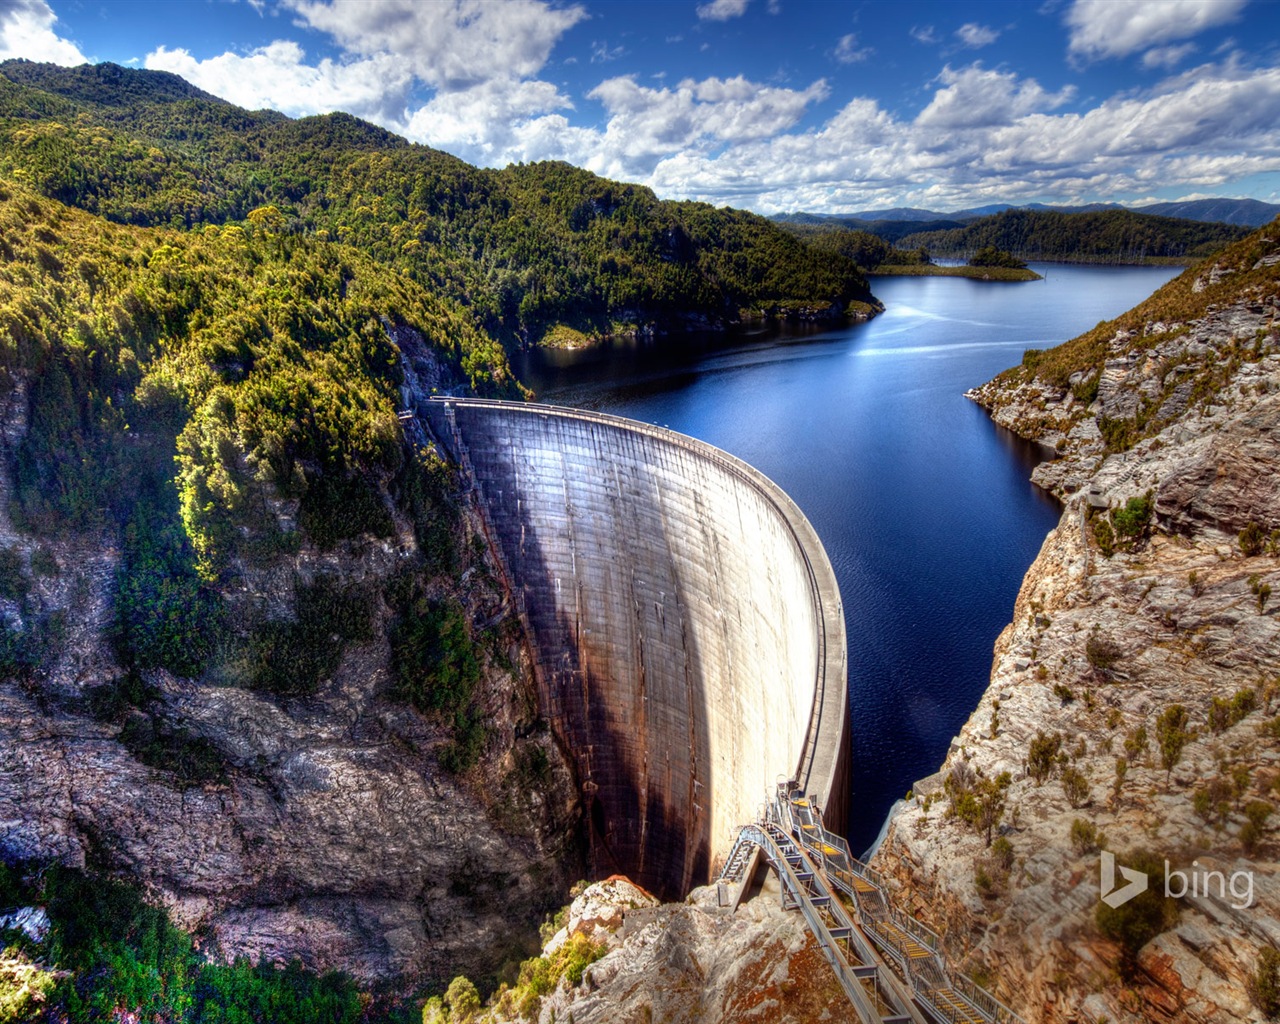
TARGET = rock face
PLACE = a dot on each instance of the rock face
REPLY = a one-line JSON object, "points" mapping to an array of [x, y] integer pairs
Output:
{"points": [[1145, 598], [693, 961], [334, 835]]}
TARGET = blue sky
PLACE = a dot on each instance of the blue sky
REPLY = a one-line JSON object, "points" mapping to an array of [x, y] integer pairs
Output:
{"points": [[766, 104]]}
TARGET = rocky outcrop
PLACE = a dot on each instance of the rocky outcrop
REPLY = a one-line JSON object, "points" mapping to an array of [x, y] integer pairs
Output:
{"points": [[1145, 598], [331, 832], [695, 961]]}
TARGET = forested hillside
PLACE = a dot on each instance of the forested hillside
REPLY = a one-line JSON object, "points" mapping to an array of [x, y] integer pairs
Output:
{"points": [[1112, 236], [524, 248]]}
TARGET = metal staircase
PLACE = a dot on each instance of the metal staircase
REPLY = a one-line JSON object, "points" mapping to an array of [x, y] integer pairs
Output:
{"points": [[891, 966]]}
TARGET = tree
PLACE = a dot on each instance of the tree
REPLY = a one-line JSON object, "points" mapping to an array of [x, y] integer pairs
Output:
{"points": [[990, 256], [1136, 922], [463, 1000], [990, 795], [1172, 735], [1042, 755], [1075, 786]]}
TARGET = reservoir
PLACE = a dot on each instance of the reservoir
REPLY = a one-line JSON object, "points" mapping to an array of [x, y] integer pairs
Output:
{"points": [[924, 506]]}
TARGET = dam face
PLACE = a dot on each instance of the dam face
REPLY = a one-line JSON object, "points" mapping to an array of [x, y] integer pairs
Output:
{"points": [[686, 624]]}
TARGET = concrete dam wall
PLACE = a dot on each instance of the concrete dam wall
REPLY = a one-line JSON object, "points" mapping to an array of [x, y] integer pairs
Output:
{"points": [[686, 624]]}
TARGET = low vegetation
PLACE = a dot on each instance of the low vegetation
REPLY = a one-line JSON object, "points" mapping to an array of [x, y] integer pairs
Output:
{"points": [[111, 955], [1110, 236]]}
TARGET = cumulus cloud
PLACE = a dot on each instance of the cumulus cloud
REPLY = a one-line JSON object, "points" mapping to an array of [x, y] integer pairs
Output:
{"points": [[451, 44], [647, 124], [975, 97], [723, 10], [1107, 28], [477, 61], [976, 36], [277, 76], [1201, 129], [26, 30]]}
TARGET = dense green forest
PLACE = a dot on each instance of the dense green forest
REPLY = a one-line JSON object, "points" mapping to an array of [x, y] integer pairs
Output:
{"points": [[523, 248], [1112, 236]]}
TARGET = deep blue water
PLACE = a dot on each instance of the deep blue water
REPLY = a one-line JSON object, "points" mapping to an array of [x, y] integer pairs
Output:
{"points": [[924, 506]]}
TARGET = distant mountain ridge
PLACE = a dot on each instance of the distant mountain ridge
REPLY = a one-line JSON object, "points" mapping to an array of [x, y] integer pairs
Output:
{"points": [[1244, 212]]}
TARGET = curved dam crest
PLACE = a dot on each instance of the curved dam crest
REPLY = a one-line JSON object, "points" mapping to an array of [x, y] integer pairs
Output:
{"points": [[686, 624]]}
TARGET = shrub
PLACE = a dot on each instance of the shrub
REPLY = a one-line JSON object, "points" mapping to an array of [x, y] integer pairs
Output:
{"points": [[1122, 770], [14, 584], [1264, 986], [435, 661], [1212, 801], [24, 987], [1042, 755], [1172, 735], [193, 760], [1132, 521], [1261, 591], [1002, 852], [1256, 813], [1085, 837], [1105, 536], [426, 487], [1252, 539], [1223, 713], [291, 658], [1135, 923], [166, 615], [463, 1000], [1075, 786], [1135, 744], [540, 975], [1101, 654]]}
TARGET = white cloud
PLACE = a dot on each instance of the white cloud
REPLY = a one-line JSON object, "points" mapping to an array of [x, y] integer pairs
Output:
{"points": [[1117, 28], [723, 10], [646, 125], [449, 44], [976, 36], [602, 53], [926, 34], [1167, 56], [847, 50], [26, 30], [477, 60], [487, 123], [277, 76], [976, 97], [1199, 130]]}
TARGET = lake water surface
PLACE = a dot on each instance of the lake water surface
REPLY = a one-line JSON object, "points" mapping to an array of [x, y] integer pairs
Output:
{"points": [[924, 506]]}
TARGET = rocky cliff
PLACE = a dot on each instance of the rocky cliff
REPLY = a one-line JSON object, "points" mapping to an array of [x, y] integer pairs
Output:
{"points": [[1133, 699], [321, 826]]}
